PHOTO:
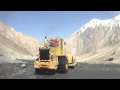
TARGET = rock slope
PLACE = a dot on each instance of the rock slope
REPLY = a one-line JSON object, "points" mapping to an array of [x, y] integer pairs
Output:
{"points": [[94, 35]]}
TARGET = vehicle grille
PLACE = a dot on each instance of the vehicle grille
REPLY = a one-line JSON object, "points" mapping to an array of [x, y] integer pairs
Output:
{"points": [[44, 54]]}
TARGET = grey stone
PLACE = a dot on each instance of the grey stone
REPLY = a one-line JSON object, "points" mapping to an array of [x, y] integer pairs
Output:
{"points": [[23, 65]]}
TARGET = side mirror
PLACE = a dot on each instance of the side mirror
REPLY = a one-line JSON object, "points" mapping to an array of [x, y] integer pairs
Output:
{"points": [[64, 43]]}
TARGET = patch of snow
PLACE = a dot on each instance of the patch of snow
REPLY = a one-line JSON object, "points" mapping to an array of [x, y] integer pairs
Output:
{"points": [[96, 22], [117, 18]]}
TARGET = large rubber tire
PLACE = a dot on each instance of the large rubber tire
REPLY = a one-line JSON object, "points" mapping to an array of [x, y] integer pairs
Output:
{"points": [[63, 64]]}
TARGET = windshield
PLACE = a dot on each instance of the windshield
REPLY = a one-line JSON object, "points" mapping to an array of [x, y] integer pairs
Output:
{"points": [[53, 43]]}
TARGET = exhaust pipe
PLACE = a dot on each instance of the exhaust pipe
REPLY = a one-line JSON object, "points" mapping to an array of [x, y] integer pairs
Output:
{"points": [[45, 41]]}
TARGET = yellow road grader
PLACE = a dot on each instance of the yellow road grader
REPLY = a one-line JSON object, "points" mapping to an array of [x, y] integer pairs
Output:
{"points": [[52, 56]]}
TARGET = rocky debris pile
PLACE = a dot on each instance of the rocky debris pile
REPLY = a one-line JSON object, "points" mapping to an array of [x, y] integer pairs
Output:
{"points": [[15, 58], [106, 55], [25, 57], [4, 59]]}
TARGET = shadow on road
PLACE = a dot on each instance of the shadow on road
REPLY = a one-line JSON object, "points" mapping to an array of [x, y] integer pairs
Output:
{"points": [[45, 72], [48, 72]]}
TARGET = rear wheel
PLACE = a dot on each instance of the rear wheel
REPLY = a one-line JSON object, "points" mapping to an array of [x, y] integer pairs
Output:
{"points": [[63, 64], [73, 61]]}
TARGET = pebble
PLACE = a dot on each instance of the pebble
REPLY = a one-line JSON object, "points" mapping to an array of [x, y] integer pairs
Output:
{"points": [[23, 65]]}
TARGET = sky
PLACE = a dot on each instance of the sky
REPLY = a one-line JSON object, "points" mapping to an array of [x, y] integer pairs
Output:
{"points": [[52, 24]]}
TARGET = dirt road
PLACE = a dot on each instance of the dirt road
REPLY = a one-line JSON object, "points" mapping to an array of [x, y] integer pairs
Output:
{"points": [[82, 71]]}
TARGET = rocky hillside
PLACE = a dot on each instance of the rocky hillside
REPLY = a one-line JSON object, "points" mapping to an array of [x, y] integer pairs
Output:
{"points": [[17, 41], [94, 35]]}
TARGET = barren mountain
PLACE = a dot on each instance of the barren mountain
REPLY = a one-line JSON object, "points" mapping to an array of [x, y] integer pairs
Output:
{"points": [[94, 35], [17, 41]]}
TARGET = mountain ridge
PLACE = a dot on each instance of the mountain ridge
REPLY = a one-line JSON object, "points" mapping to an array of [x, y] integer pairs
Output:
{"points": [[94, 35]]}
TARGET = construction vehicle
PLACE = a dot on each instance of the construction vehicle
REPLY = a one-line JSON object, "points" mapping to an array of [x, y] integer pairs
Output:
{"points": [[53, 56]]}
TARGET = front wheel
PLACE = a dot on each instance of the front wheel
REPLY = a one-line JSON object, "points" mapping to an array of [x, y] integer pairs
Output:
{"points": [[63, 64]]}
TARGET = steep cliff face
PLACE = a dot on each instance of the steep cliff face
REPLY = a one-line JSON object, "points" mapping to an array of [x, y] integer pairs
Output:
{"points": [[94, 35], [25, 43]]}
